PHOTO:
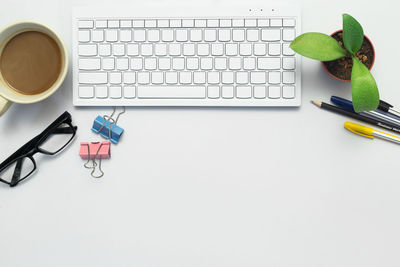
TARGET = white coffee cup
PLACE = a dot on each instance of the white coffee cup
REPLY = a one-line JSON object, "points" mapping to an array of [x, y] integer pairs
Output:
{"points": [[9, 95]]}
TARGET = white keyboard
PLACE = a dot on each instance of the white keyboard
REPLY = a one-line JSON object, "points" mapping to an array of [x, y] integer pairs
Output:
{"points": [[188, 57]]}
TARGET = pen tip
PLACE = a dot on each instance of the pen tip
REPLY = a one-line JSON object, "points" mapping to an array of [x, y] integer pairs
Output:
{"points": [[317, 103]]}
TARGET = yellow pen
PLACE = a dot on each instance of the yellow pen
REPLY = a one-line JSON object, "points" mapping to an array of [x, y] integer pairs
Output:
{"points": [[369, 132]]}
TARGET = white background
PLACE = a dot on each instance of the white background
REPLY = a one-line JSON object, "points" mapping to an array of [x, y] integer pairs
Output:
{"points": [[211, 186]]}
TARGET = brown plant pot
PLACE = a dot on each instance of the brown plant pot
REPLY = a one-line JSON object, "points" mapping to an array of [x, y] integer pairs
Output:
{"points": [[369, 51]]}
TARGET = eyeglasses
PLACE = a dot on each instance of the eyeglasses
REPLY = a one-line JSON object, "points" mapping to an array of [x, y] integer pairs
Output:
{"points": [[51, 141]]}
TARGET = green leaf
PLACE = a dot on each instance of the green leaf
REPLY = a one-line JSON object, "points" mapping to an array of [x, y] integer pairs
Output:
{"points": [[364, 90], [353, 34], [317, 46]]}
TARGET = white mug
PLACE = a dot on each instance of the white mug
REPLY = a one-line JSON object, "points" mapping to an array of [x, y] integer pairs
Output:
{"points": [[9, 95]]}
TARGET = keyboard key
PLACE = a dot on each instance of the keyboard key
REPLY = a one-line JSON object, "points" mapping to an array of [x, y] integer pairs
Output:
{"points": [[175, 23], [192, 63], [92, 77], [243, 91], [89, 63], [153, 35], [217, 49], [227, 77], [143, 77], [213, 91], [250, 22], [242, 77], [258, 77], [185, 77], [252, 35], [150, 63], [288, 63], [274, 91], [274, 77], [274, 49], [114, 24], [172, 92], [286, 50], [138, 23], [164, 63], [249, 63], [175, 49], [115, 91], [122, 63], [263, 22], [288, 34], [238, 35], [269, 63], [231, 49], [206, 63], [225, 23], [139, 35], [210, 35], [85, 24], [181, 35], [125, 36], [157, 77], [132, 49], [227, 91], [235, 63], [108, 63], [167, 35], [129, 91], [104, 49], [98, 36], [86, 91], [260, 49], [126, 23], [146, 49], [196, 35], [111, 35], [260, 91], [213, 77], [224, 35], [178, 63], [270, 35], [115, 77], [137, 63], [83, 36], [289, 23], [275, 22], [189, 50], [199, 77], [238, 23], [245, 49], [200, 23], [212, 23], [160, 49], [203, 49], [150, 23], [288, 91], [101, 24], [87, 50], [129, 77], [188, 23], [288, 77], [220, 63], [118, 49], [101, 91], [171, 77]]}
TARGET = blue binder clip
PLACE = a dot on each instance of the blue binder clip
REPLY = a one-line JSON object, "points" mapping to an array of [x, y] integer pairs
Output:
{"points": [[107, 126]]}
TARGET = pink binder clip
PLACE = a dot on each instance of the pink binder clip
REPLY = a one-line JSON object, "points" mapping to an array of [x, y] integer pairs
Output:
{"points": [[95, 150]]}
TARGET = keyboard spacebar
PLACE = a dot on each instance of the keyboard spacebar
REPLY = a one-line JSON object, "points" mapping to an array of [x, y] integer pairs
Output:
{"points": [[183, 91]]}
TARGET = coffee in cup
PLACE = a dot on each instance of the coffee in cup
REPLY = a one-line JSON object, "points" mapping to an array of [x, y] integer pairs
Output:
{"points": [[33, 63]]}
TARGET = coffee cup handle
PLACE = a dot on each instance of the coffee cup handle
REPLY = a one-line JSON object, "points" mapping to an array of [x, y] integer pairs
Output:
{"points": [[4, 105]]}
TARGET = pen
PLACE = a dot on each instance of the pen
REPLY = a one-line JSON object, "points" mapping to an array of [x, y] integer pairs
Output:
{"points": [[377, 114], [355, 115], [386, 107], [369, 132]]}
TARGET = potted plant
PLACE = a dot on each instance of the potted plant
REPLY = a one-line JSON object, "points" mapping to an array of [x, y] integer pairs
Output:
{"points": [[346, 54]]}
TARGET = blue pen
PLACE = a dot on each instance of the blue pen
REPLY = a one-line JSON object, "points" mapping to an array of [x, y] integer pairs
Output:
{"points": [[378, 115]]}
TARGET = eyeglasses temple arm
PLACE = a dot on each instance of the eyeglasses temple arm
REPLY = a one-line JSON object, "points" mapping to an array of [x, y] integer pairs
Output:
{"points": [[17, 173]]}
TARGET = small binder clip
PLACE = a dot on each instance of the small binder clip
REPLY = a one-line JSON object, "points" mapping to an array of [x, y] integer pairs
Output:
{"points": [[107, 126], [88, 150], [93, 151]]}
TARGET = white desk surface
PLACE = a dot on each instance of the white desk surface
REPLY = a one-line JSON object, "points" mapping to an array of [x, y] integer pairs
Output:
{"points": [[210, 186]]}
